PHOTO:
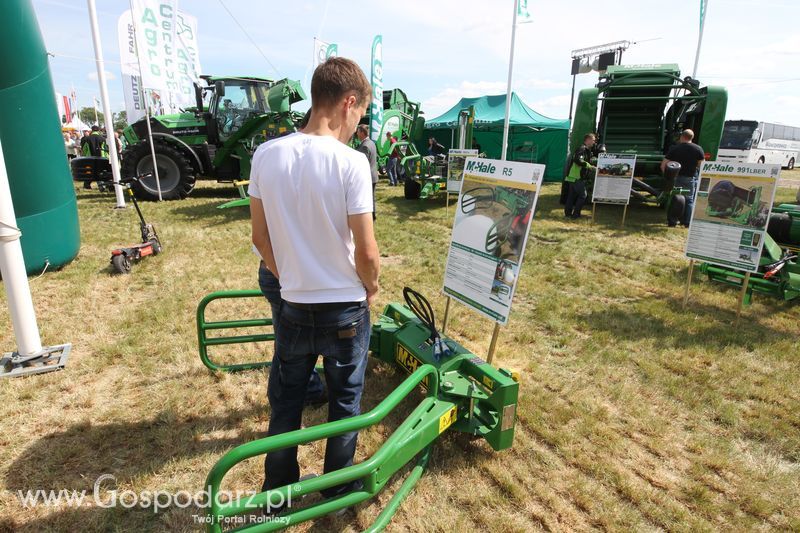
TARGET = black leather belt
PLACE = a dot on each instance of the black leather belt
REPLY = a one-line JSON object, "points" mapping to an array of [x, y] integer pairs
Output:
{"points": [[329, 306]]}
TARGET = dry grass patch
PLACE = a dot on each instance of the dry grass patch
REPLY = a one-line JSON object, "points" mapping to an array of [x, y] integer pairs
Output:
{"points": [[634, 413]]}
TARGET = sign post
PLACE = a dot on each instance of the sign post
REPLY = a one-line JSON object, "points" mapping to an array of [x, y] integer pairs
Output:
{"points": [[490, 231], [455, 172], [729, 221], [613, 181]]}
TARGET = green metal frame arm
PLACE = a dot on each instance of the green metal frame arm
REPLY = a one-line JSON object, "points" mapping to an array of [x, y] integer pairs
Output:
{"points": [[203, 341], [390, 448], [394, 504]]}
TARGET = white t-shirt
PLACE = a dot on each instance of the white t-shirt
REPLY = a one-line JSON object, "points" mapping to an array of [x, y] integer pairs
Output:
{"points": [[308, 185]]}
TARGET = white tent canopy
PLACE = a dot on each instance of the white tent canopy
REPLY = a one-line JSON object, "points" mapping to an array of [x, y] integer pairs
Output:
{"points": [[76, 124]]}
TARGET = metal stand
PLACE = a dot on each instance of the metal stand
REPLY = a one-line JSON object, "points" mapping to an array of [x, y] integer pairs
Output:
{"points": [[624, 214], [493, 343], [50, 358], [446, 315], [688, 283], [594, 206], [742, 294]]}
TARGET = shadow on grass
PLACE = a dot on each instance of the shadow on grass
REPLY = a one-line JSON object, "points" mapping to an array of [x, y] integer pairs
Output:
{"points": [[633, 323], [210, 212], [75, 458]]}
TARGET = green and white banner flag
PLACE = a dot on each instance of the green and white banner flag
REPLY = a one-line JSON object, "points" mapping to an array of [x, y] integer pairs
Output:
{"points": [[376, 107], [323, 51], [522, 10], [703, 5]]}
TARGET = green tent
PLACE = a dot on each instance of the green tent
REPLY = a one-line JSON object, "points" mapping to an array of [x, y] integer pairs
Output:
{"points": [[533, 138]]}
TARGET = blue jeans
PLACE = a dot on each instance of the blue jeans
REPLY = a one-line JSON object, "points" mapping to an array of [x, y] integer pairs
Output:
{"points": [[391, 170], [341, 335], [271, 288], [687, 182]]}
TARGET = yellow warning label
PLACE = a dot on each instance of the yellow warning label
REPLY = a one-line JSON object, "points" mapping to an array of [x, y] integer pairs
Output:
{"points": [[489, 382], [447, 419], [408, 361]]}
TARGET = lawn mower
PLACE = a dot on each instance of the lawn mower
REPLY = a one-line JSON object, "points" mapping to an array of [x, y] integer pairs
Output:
{"points": [[460, 392], [122, 259]]}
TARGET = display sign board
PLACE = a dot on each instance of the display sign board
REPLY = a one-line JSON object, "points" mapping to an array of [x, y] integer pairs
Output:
{"points": [[731, 212], [493, 217], [614, 178], [455, 168]]}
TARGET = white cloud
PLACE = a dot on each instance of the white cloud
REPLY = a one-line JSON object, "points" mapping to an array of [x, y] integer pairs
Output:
{"points": [[93, 75]]}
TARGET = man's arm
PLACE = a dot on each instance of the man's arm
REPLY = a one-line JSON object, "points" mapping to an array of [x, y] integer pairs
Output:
{"points": [[367, 256], [664, 164], [260, 234]]}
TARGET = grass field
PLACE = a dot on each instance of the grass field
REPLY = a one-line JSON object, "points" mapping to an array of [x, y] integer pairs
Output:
{"points": [[634, 413]]}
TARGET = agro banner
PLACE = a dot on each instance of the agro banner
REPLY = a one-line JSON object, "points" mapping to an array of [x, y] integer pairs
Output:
{"points": [[490, 231], [323, 51], [613, 179], [155, 22], [731, 212], [376, 107], [186, 64], [455, 168]]}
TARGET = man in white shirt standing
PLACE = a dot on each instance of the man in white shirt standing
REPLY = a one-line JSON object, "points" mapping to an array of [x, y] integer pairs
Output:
{"points": [[311, 210]]}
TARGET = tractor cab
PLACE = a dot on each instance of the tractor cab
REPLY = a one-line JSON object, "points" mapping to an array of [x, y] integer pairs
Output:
{"points": [[231, 103]]}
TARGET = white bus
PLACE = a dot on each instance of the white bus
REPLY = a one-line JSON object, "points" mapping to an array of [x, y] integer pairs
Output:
{"points": [[749, 141]]}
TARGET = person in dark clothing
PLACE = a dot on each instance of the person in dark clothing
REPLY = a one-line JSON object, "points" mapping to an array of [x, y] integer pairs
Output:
{"points": [[690, 156], [368, 148], [580, 171], [434, 148], [95, 144]]}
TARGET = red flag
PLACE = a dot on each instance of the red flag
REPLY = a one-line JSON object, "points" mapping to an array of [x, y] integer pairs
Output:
{"points": [[67, 109]]}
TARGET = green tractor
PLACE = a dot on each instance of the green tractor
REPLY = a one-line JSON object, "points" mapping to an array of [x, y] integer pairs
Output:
{"points": [[642, 109], [210, 141]]}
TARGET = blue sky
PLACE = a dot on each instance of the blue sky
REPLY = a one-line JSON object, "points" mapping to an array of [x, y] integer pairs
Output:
{"points": [[441, 50]]}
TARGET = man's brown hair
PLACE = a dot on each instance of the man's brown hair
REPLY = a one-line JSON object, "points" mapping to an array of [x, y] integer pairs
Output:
{"points": [[589, 136], [363, 129], [336, 77]]}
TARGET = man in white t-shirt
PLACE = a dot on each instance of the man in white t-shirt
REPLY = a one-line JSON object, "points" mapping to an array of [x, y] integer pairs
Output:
{"points": [[311, 211]]}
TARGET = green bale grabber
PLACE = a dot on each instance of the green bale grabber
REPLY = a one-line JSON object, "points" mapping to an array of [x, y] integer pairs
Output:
{"points": [[778, 274], [462, 393], [204, 327]]}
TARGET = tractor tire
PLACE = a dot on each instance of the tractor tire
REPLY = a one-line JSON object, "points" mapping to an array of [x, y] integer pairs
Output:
{"points": [[175, 172], [121, 264], [761, 160], [676, 208], [412, 189], [790, 166]]}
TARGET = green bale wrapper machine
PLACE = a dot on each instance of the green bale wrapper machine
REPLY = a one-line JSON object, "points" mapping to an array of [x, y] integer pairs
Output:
{"points": [[462, 392], [642, 109], [779, 271]]}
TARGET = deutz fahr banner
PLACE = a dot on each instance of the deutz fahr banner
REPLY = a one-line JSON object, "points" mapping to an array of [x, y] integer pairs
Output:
{"points": [[731, 213], [490, 231]]}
